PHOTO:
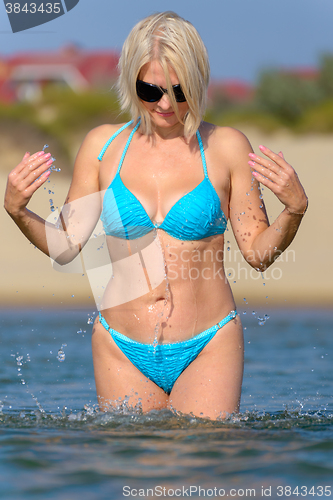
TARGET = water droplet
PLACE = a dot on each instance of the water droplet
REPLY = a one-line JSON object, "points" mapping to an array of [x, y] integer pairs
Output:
{"points": [[61, 356], [90, 320], [262, 320], [19, 360]]}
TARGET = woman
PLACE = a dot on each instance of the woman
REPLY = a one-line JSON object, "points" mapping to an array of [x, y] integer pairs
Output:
{"points": [[176, 343]]}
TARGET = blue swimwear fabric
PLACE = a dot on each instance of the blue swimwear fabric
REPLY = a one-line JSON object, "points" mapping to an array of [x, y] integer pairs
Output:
{"points": [[163, 363], [195, 216]]}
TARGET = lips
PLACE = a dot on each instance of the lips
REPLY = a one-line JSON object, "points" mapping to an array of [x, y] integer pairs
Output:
{"points": [[165, 115]]}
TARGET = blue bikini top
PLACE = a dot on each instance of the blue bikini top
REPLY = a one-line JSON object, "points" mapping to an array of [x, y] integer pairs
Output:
{"points": [[195, 216]]}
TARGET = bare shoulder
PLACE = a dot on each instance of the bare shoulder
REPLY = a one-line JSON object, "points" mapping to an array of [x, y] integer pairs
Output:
{"points": [[227, 146], [92, 145], [87, 166], [98, 136], [225, 138]]}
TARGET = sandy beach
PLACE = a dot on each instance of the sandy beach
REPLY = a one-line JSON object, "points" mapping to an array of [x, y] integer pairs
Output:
{"points": [[302, 276]]}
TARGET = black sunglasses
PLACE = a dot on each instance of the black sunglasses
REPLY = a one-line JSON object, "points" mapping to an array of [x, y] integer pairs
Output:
{"points": [[153, 93]]}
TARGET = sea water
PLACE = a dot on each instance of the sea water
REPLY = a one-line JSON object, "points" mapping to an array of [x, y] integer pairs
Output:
{"points": [[55, 444]]}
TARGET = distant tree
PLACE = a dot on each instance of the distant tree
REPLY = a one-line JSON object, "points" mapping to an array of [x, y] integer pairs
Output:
{"points": [[286, 95], [325, 79]]}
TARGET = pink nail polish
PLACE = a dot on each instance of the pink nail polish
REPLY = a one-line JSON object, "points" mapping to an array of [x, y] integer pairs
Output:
{"points": [[41, 153], [262, 147], [255, 174], [47, 155], [49, 162], [252, 155], [251, 163]]}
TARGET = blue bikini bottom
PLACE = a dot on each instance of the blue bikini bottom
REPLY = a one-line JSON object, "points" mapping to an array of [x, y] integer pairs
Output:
{"points": [[163, 363]]}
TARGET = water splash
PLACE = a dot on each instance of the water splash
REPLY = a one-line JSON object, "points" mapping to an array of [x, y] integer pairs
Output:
{"points": [[123, 417], [52, 168], [167, 293], [262, 319], [61, 356], [20, 362], [91, 318]]}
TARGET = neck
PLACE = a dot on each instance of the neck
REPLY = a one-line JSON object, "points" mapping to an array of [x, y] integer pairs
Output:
{"points": [[169, 132]]}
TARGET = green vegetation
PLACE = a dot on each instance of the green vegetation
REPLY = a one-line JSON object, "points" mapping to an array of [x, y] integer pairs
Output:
{"points": [[61, 116], [292, 100]]}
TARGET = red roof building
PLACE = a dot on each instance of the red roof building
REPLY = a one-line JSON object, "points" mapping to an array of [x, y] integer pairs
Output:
{"points": [[22, 76], [234, 91]]}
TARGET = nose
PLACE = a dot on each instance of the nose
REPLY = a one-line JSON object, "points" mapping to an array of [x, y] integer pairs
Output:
{"points": [[164, 102]]}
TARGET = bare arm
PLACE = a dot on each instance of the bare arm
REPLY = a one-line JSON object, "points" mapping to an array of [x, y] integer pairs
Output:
{"points": [[259, 242], [21, 185], [81, 209]]}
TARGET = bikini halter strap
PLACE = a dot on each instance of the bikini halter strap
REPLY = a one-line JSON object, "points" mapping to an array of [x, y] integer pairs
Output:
{"points": [[202, 152], [127, 145], [107, 144]]}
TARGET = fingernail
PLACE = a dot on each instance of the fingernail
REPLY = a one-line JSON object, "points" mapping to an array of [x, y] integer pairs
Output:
{"points": [[41, 153], [47, 155], [255, 174], [251, 163], [252, 155], [261, 147], [49, 162]]}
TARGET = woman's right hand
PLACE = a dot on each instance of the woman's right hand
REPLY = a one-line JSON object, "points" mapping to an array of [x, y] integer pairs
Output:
{"points": [[24, 180]]}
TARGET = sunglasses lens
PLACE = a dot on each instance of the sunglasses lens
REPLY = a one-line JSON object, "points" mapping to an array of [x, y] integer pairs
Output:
{"points": [[147, 92], [152, 93], [179, 96]]}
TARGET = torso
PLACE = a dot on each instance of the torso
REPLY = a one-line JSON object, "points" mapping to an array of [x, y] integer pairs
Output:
{"points": [[194, 293]]}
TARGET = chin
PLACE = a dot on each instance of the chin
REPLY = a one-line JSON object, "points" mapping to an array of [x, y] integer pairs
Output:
{"points": [[165, 121]]}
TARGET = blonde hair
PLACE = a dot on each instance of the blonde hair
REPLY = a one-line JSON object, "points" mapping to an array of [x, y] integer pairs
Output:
{"points": [[169, 39]]}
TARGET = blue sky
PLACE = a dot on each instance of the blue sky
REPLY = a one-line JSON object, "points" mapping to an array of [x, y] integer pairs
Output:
{"points": [[242, 36]]}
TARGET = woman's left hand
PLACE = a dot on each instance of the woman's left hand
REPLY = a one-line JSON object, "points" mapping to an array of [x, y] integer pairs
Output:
{"points": [[280, 177]]}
